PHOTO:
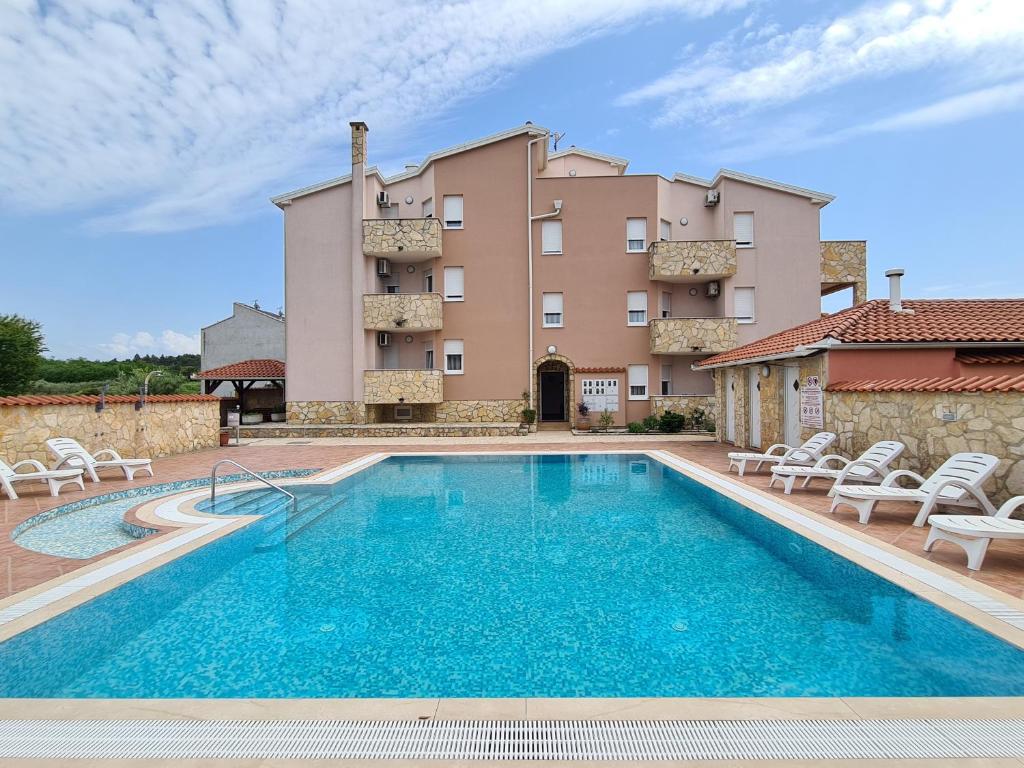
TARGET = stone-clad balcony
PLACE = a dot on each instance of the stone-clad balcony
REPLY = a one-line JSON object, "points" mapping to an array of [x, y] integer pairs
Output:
{"points": [[386, 387], [692, 335], [402, 239], [844, 264], [692, 261], [402, 311]]}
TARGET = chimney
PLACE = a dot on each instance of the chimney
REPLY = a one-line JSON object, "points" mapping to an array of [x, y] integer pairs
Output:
{"points": [[895, 300], [359, 131]]}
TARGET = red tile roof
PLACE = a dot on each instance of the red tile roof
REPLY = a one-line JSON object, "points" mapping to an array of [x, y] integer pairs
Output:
{"points": [[939, 384], [93, 399], [987, 356], [940, 321], [602, 369], [247, 369]]}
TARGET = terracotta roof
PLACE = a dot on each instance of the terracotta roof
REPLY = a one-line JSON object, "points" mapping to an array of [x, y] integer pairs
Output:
{"points": [[602, 369], [247, 369], [940, 321], [985, 356], [93, 399], [939, 384]]}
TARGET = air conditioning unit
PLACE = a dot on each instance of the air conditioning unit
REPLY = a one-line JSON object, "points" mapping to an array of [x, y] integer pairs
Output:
{"points": [[383, 339], [383, 268], [711, 198], [714, 288], [383, 200], [403, 412]]}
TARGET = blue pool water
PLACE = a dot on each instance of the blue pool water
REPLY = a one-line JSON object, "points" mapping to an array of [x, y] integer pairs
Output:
{"points": [[588, 575]]}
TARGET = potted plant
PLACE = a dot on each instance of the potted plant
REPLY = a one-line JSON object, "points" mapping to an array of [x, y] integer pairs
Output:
{"points": [[278, 414], [583, 417], [605, 420], [697, 417]]}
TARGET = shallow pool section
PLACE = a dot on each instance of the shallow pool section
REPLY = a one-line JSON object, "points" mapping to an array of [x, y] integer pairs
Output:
{"points": [[461, 576], [90, 527]]}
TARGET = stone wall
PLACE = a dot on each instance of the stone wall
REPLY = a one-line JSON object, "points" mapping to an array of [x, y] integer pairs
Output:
{"points": [[844, 262], [685, 258], [414, 237], [406, 386], [988, 422], [169, 424], [479, 411], [685, 404], [401, 312], [679, 335], [326, 412]]}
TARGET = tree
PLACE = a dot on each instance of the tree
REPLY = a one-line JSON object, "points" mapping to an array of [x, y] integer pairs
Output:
{"points": [[21, 347]]}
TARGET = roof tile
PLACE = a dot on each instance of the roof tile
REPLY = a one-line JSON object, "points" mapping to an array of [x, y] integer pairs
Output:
{"points": [[938, 384], [247, 369]]}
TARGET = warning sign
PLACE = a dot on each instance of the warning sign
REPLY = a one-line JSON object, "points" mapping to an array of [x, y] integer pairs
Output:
{"points": [[812, 411]]}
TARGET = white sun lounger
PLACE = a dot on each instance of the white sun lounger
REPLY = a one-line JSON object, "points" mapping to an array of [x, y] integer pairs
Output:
{"points": [[70, 453], [975, 532], [869, 467], [55, 479], [783, 455], [957, 483]]}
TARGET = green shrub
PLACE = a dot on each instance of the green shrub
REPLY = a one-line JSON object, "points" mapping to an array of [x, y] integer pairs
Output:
{"points": [[606, 419], [709, 426], [529, 415], [671, 422], [651, 422], [636, 427]]}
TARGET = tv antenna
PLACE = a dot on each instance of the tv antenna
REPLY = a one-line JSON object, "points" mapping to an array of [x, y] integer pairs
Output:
{"points": [[557, 137]]}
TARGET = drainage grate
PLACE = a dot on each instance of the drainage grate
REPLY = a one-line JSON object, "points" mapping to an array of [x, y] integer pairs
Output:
{"points": [[512, 740]]}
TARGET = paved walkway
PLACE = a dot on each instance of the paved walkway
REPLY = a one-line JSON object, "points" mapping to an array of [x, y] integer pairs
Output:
{"points": [[21, 569]]}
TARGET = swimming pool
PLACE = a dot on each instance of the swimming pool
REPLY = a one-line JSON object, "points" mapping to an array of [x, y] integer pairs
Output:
{"points": [[507, 576]]}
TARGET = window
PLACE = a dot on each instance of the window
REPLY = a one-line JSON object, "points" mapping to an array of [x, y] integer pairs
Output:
{"points": [[453, 284], [552, 310], [428, 356], [666, 304], [636, 235], [428, 208], [743, 229], [453, 211], [551, 237], [453, 356], [743, 305], [638, 382], [665, 229], [391, 212], [636, 308], [666, 379], [428, 281], [393, 288]]}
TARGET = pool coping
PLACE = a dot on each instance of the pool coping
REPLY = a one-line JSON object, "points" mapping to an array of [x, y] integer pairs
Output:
{"points": [[984, 606]]}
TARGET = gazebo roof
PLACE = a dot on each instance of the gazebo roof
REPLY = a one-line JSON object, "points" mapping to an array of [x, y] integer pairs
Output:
{"points": [[247, 370]]}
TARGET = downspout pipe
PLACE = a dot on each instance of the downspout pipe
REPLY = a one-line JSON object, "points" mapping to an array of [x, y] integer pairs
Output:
{"points": [[529, 257]]}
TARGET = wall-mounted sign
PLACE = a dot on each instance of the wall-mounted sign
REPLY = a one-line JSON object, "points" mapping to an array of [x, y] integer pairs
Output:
{"points": [[812, 410]]}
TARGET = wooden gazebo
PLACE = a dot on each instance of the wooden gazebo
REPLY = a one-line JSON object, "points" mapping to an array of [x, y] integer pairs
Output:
{"points": [[242, 376]]}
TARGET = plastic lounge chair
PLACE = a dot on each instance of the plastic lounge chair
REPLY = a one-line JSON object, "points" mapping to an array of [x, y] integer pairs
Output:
{"points": [[70, 453], [870, 467], [975, 532], [957, 482], [782, 455], [55, 479]]}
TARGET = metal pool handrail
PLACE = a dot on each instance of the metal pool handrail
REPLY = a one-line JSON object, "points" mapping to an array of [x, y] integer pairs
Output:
{"points": [[261, 478]]}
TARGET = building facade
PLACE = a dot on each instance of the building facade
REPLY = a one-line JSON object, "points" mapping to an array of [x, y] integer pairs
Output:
{"points": [[498, 275]]}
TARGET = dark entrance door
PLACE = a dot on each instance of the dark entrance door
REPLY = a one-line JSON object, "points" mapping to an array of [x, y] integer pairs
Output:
{"points": [[552, 396]]}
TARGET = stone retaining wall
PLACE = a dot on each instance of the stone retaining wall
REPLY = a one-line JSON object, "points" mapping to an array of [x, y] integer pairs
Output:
{"points": [[326, 412], [685, 404], [479, 411]]}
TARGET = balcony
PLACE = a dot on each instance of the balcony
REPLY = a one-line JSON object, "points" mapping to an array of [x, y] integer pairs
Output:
{"points": [[692, 261], [844, 265], [402, 240], [692, 335], [402, 311], [402, 386]]}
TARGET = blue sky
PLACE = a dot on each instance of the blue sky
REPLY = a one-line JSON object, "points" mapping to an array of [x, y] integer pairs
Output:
{"points": [[142, 140]]}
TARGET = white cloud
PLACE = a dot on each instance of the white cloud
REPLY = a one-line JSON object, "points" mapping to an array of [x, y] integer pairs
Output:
{"points": [[978, 42], [179, 113], [124, 345]]}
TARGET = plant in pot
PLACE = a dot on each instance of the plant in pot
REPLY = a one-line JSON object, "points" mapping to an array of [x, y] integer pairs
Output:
{"points": [[278, 413], [697, 418], [583, 416]]}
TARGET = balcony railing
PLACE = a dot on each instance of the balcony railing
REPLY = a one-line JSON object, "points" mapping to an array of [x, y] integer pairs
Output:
{"points": [[692, 335], [402, 311], [402, 239], [403, 386], [844, 264], [692, 261]]}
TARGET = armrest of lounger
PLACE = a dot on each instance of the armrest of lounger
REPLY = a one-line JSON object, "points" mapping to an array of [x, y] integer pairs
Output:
{"points": [[778, 446], [38, 466], [850, 466], [824, 460], [1009, 506], [114, 455], [896, 474], [83, 457], [952, 482]]}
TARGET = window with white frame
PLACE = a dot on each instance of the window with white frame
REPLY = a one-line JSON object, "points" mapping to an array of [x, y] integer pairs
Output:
{"points": [[453, 356], [743, 229], [638, 382], [454, 287], [743, 305], [601, 394], [666, 379], [636, 308], [428, 281], [665, 229], [393, 288], [453, 211], [666, 304], [428, 208], [428, 355], [552, 306], [636, 235], [551, 237], [390, 212]]}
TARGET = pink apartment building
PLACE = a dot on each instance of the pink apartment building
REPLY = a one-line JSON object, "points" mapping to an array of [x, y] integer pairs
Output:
{"points": [[496, 269]]}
